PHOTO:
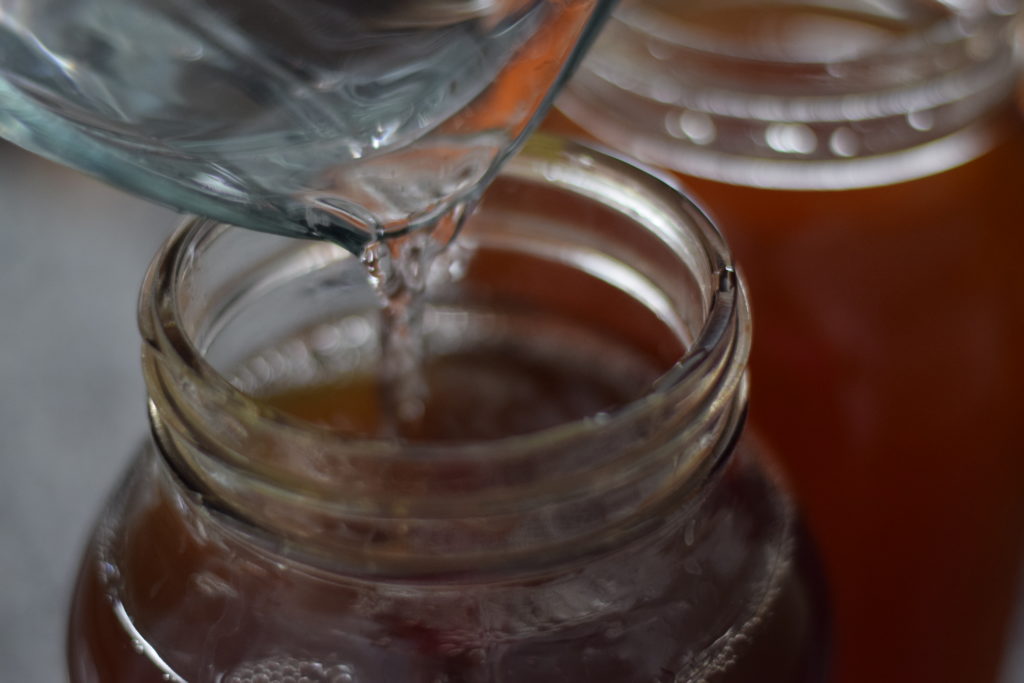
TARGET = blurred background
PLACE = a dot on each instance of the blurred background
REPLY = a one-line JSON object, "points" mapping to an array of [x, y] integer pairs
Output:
{"points": [[72, 403]]}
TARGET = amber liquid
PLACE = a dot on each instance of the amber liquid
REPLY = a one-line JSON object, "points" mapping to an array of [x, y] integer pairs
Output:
{"points": [[513, 379], [789, 646], [169, 553], [886, 367]]}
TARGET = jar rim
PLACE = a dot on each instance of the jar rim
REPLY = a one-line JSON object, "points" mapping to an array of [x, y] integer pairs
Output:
{"points": [[597, 481], [912, 101], [556, 159], [955, 23]]}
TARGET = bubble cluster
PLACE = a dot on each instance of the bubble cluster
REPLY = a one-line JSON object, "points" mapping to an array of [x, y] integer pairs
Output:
{"points": [[284, 669]]}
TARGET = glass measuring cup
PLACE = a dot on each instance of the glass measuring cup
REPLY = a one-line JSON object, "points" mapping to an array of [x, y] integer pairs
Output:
{"points": [[341, 119]]}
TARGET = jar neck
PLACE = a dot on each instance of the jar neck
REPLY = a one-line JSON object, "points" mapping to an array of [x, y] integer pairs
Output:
{"points": [[797, 95], [387, 507]]}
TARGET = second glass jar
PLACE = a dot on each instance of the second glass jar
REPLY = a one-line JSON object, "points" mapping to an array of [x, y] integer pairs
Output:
{"points": [[864, 159]]}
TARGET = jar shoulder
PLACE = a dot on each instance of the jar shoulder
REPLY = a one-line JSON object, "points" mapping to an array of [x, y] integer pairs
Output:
{"points": [[168, 587]]}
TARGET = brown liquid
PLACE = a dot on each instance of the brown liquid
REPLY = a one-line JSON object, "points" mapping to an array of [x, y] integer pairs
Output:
{"points": [[165, 549], [886, 367], [788, 646]]}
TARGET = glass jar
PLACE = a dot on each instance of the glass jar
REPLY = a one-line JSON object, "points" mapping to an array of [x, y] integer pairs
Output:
{"points": [[864, 159], [578, 503]]}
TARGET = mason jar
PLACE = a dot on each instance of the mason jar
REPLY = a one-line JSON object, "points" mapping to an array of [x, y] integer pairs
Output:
{"points": [[577, 502], [865, 161]]}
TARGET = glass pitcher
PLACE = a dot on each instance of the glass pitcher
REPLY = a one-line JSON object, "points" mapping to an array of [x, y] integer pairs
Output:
{"points": [[341, 119]]}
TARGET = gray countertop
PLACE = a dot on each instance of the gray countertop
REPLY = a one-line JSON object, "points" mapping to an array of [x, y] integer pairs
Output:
{"points": [[72, 405]]}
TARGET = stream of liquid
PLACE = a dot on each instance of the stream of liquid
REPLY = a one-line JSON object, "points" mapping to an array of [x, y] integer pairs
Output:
{"points": [[398, 270]]}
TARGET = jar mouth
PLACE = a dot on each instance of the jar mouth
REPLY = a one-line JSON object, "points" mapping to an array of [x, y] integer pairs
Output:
{"points": [[566, 164], [401, 507]]}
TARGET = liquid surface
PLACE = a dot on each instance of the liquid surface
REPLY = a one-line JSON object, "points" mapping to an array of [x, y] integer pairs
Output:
{"points": [[477, 395], [307, 117]]}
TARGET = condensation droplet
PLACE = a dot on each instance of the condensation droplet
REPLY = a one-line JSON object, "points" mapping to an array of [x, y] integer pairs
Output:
{"points": [[921, 120], [837, 69], [981, 47], [325, 339], [666, 90], [843, 142], [696, 126], [384, 134], [659, 51], [456, 261], [356, 331], [618, 79], [1003, 7], [790, 138]]}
